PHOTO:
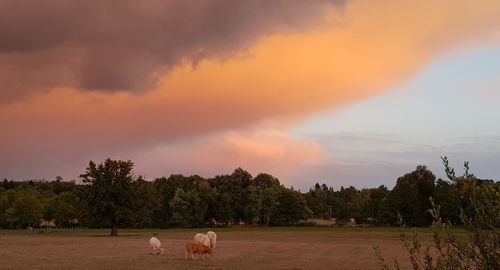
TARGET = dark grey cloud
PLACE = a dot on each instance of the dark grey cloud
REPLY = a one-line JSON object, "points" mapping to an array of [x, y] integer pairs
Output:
{"points": [[118, 45]]}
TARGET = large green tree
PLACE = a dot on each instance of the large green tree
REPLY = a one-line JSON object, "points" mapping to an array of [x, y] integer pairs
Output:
{"points": [[109, 197]]}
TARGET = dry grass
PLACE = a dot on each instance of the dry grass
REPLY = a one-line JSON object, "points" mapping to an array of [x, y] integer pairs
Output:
{"points": [[276, 248]]}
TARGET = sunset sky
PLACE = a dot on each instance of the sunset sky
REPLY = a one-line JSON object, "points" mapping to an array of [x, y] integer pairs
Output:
{"points": [[354, 92]]}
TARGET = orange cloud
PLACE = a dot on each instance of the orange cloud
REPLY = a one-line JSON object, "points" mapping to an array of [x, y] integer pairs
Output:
{"points": [[355, 54]]}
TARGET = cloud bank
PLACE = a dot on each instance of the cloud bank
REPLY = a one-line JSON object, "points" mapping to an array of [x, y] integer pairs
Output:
{"points": [[126, 45], [256, 61]]}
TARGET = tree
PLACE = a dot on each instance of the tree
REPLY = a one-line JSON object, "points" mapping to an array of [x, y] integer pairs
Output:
{"points": [[376, 197], [234, 195], [187, 208], [208, 197], [63, 208], [386, 214], [411, 196], [6, 199], [167, 188], [146, 202], [445, 195], [349, 203], [479, 248], [262, 199], [240, 180], [109, 194], [25, 210], [290, 209], [262, 204], [264, 180], [8, 184], [69, 210], [320, 200]]}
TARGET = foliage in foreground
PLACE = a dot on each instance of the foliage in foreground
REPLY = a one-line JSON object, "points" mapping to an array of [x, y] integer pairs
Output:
{"points": [[480, 215]]}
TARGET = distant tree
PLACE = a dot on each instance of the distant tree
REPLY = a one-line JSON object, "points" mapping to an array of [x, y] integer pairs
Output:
{"points": [[4, 205], [263, 204], [348, 204], [225, 211], [208, 197], [291, 208], [376, 196], [146, 203], [187, 208], [182, 211], [234, 195], [262, 199], [166, 188], [25, 210], [270, 203], [254, 205], [320, 200], [411, 196], [109, 194], [264, 180], [7, 198], [63, 208], [8, 184], [362, 201], [387, 214], [240, 181]]}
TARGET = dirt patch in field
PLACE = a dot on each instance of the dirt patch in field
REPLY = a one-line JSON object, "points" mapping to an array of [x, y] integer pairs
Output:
{"points": [[235, 250]]}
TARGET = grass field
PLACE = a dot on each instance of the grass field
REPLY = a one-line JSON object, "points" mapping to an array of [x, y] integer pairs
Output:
{"points": [[237, 248]]}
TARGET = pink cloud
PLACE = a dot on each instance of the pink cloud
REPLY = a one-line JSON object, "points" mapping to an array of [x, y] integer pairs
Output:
{"points": [[256, 151]]}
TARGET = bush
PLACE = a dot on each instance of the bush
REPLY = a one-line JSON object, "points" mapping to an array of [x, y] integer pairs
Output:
{"points": [[480, 216]]}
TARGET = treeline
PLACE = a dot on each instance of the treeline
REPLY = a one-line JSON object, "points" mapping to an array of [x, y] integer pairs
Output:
{"points": [[110, 196], [407, 203]]}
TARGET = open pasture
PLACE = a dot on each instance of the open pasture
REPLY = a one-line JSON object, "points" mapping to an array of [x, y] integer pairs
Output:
{"points": [[248, 248]]}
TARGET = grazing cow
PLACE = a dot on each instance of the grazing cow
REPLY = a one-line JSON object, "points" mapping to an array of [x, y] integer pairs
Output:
{"points": [[198, 249], [155, 245], [202, 239], [213, 238], [209, 239]]}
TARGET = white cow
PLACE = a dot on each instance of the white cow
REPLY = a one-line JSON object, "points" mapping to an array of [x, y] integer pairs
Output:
{"points": [[213, 238], [209, 239], [155, 245], [202, 239]]}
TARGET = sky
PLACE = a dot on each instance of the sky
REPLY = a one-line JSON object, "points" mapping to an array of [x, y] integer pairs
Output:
{"points": [[353, 92]]}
